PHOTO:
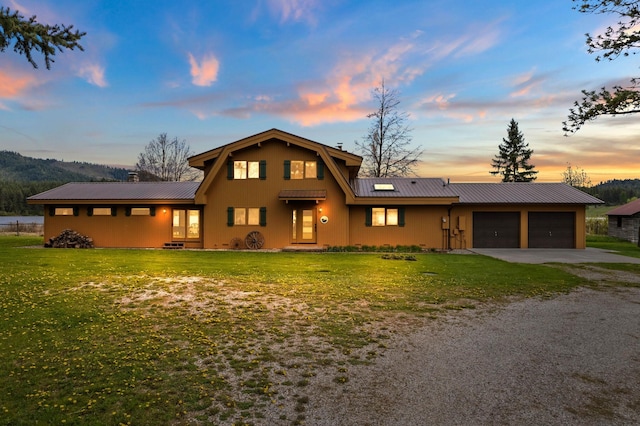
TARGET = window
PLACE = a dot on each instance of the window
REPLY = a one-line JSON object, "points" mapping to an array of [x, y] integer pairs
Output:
{"points": [[247, 216], [247, 169], [64, 211], [186, 223], [140, 211], [301, 170], [102, 211], [619, 222], [380, 216]]}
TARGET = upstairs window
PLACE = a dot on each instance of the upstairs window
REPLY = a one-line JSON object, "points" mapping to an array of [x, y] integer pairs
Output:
{"points": [[247, 170], [298, 169]]}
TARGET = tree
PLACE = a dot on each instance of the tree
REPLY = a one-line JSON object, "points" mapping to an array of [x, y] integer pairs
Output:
{"points": [[166, 160], [386, 149], [512, 162], [622, 39], [576, 177], [30, 35]]}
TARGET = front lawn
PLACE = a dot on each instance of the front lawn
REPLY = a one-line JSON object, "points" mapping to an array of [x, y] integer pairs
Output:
{"points": [[110, 336]]}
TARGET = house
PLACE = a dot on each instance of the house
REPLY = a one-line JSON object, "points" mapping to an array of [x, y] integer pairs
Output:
{"points": [[277, 190], [624, 222]]}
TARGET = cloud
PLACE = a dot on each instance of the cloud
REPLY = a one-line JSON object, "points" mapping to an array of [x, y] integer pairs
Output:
{"points": [[14, 85], [93, 74], [294, 10], [206, 72]]}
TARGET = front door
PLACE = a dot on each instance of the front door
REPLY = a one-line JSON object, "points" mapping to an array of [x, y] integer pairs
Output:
{"points": [[303, 226]]}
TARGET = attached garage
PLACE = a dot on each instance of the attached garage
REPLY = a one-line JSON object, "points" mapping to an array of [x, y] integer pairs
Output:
{"points": [[552, 230], [496, 229]]}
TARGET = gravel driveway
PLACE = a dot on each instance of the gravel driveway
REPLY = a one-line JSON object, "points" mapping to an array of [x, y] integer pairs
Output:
{"points": [[572, 359]]}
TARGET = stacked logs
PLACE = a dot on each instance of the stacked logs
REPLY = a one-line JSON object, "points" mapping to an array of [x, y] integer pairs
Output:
{"points": [[69, 239]]}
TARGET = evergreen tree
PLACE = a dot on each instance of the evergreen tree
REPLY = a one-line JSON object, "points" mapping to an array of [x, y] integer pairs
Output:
{"points": [[29, 35], [512, 163]]}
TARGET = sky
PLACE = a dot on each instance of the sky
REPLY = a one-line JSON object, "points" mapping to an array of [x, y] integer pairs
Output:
{"points": [[213, 72]]}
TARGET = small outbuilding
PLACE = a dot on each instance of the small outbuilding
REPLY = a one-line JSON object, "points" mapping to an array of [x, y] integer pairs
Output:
{"points": [[624, 222]]}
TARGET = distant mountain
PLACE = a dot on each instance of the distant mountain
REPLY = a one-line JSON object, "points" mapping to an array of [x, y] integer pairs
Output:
{"points": [[18, 168]]}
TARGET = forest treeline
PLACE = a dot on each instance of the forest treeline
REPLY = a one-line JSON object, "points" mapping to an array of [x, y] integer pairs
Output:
{"points": [[22, 177], [616, 192]]}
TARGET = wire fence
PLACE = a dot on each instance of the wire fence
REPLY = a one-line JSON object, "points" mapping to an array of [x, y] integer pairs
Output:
{"points": [[18, 228]]}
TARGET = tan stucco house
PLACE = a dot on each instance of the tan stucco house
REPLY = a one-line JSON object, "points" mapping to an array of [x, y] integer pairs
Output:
{"points": [[278, 190]]}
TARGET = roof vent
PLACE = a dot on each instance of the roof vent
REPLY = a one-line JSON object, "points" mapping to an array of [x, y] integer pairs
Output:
{"points": [[340, 146]]}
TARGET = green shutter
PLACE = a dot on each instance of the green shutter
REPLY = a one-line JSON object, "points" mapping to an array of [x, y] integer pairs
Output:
{"points": [[368, 216], [52, 211], [76, 211], [263, 216], [89, 211], [263, 169], [114, 211], [400, 216], [127, 211], [320, 170], [230, 218], [152, 211], [230, 170], [287, 169]]}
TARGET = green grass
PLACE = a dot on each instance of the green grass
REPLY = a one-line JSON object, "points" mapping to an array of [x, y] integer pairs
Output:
{"points": [[110, 336], [622, 247], [599, 210]]}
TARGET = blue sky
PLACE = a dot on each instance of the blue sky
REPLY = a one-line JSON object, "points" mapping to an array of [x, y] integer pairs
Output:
{"points": [[212, 72]]}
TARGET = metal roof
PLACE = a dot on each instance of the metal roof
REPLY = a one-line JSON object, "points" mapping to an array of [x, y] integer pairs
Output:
{"points": [[303, 194], [87, 191], [628, 209], [521, 193], [402, 187]]}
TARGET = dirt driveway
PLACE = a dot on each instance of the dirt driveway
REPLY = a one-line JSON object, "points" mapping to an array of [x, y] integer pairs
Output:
{"points": [[573, 359]]}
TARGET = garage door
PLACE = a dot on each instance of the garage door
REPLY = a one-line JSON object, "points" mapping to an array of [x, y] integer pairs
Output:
{"points": [[496, 229], [552, 230]]}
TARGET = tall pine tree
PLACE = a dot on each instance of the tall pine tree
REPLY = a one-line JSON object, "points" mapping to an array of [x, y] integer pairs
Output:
{"points": [[512, 163]]}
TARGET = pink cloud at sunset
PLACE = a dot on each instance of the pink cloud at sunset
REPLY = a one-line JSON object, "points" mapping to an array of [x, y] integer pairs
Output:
{"points": [[13, 85], [204, 73]]}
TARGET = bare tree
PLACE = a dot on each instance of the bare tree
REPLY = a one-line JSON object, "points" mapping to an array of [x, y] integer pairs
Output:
{"points": [[29, 35], [386, 149], [166, 160], [576, 177]]}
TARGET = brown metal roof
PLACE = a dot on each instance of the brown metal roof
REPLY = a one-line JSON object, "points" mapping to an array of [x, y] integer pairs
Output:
{"points": [[628, 209], [403, 187], [303, 194], [521, 193], [88, 191]]}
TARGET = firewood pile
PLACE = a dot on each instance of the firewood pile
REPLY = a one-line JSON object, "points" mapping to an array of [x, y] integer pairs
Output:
{"points": [[69, 239]]}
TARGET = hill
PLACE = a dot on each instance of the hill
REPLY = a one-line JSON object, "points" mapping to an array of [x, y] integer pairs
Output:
{"points": [[616, 192], [18, 168], [21, 177]]}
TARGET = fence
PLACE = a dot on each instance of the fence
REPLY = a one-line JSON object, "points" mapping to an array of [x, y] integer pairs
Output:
{"points": [[597, 225], [18, 228]]}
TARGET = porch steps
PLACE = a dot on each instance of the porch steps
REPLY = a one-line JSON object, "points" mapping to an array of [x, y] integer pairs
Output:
{"points": [[173, 246]]}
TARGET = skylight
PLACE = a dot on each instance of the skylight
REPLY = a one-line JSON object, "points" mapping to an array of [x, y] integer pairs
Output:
{"points": [[383, 187]]}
